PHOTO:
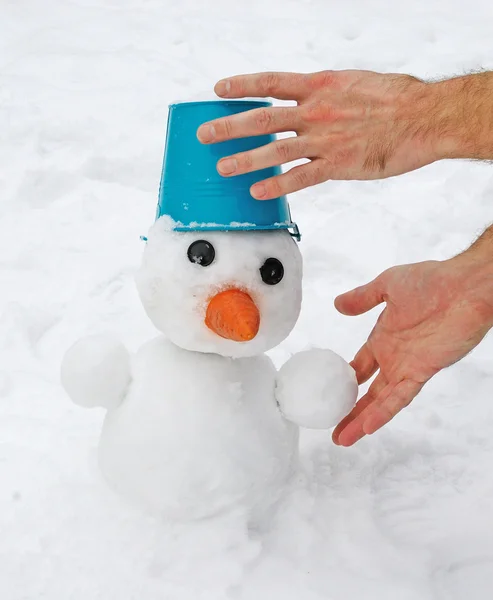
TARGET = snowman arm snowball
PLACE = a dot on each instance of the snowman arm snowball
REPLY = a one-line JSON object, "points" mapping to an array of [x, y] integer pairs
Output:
{"points": [[96, 372], [316, 389]]}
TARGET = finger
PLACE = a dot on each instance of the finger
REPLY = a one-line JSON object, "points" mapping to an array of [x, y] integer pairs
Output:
{"points": [[259, 121], [360, 406], [384, 410], [365, 364], [362, 299], [270, 155], [297, 178], [284, 86], [350, 429]]}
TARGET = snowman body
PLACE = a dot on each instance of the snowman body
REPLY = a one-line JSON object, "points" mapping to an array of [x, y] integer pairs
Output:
{"points": [[198, 434]]}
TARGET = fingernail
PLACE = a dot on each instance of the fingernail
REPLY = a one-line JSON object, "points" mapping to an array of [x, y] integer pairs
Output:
{"points": [[223, 87], [227, 166], [259, 191], [206, 133]]}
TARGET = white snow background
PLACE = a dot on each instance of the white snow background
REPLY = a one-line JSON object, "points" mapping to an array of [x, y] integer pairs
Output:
{"points": [[84, 87]]}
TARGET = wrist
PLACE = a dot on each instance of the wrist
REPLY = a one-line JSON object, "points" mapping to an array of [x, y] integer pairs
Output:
{"points": [[474, 270], [424, 113], [459, 117]]}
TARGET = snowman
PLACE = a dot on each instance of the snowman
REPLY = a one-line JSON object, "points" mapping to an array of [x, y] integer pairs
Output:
{"points": [[199, 421]]}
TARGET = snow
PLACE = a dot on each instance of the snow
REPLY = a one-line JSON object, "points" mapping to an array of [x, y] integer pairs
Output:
{"points": [[84, 88], [316, 389]]}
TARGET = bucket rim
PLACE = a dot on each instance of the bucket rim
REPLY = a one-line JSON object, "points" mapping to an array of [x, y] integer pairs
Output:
{"points": [[259, 103], [291, 227]]}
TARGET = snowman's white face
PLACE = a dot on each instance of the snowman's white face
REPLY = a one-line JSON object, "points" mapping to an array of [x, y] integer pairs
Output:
{"points": [[231, 293]]}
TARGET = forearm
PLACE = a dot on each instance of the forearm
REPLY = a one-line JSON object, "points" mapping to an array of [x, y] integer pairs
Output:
{"points": [[476, 272], [459, 116]]}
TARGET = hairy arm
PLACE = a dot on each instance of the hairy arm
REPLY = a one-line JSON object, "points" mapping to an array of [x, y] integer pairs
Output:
{"points": [[354, 125], [462, 117]]}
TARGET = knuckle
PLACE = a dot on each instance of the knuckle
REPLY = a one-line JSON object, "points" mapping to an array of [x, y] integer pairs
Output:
{"points": [[301, 178], [245, 161], [227, 128], [288, 115], [324, 78], [318, 174], [283, 151], [274, 188], [263, 120], [301, 147], [269, 82]]}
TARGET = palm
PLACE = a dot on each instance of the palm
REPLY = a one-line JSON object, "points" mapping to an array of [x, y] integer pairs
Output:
{"points": [[428, 324]]}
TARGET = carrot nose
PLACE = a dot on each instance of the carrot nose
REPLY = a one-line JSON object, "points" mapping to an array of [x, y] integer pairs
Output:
{"points": [[232, 314]]}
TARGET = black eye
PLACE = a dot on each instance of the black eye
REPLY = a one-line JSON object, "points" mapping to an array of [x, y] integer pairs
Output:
{"points": [[201, 253], [272, 271]]}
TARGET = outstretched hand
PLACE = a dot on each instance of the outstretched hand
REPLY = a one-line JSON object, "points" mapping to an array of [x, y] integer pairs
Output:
{"points": [[436, 312], [349, 124]]}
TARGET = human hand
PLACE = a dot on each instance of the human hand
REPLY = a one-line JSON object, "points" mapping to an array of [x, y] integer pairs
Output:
{"points": [[436, 312], [350, 124]]}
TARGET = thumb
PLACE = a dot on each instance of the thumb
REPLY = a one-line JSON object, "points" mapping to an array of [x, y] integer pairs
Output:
{"points": [[361, 299]]}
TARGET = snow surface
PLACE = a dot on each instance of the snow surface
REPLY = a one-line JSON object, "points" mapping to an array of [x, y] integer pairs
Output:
{"points": [[84, 88]]}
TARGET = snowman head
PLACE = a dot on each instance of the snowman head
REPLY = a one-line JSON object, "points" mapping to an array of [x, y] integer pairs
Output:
{"points": [[235, 293]]}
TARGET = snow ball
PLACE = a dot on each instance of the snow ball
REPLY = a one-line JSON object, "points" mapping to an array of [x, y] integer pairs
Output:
{"points": [[316, 389], [96, 371]]}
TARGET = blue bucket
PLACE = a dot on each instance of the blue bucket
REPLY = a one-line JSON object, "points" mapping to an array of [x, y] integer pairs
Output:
{"points": [[195, 195]]}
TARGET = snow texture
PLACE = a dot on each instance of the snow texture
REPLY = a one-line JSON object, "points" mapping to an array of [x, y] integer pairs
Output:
{"points": [[84, 88], [316, 389]]}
